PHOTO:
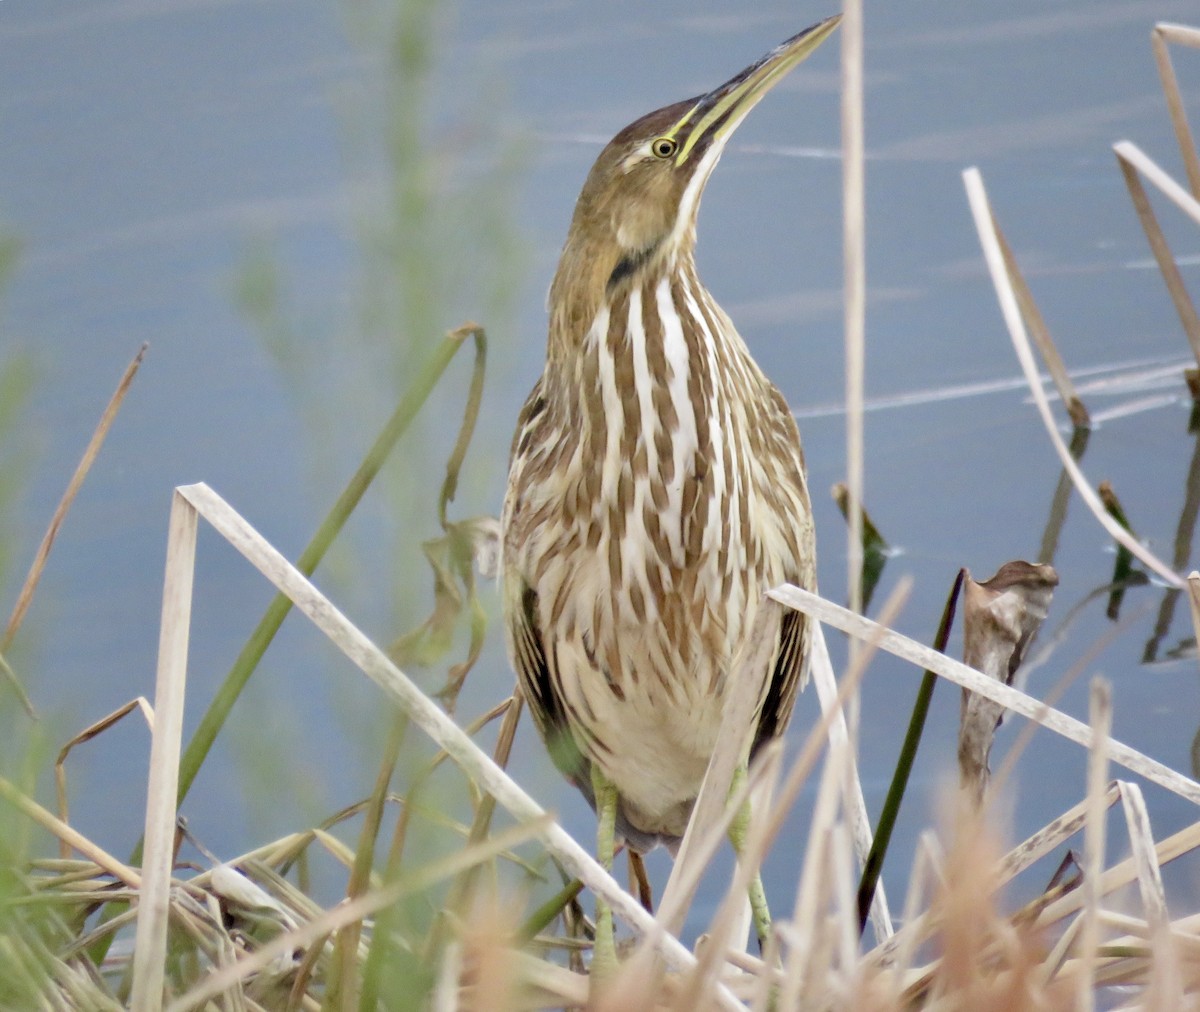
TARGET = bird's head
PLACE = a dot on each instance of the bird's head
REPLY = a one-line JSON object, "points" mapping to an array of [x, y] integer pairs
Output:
{"points": [[639, 203]]}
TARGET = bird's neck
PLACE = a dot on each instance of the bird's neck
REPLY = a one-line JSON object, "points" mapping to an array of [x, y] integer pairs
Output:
{"points": [[596, 280]]}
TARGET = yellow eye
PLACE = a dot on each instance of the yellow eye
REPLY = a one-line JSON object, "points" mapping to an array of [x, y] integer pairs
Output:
{"points": [[664, 147]]}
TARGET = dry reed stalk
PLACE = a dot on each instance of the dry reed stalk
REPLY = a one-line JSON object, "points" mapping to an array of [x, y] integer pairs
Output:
{"points": [[349, 912], [982, 213], [1012, 699], [75, 840], [1134, 164], [1041, 334], [729, 919], [1093, 841], [154, 900], [1133, 156], [896, 955], [1125, 872], [1187, 36], [60, 513], [807, 922], [854, 284], [826, 686], [1082, 664], [86, 735], [640, 974], [1141, 845], [1051, 836]]}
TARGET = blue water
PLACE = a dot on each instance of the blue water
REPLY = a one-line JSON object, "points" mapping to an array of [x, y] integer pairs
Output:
{"points": [[150, 152]]}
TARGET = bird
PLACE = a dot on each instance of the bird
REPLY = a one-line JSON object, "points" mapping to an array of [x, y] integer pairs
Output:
{"points": [[656, 489]]}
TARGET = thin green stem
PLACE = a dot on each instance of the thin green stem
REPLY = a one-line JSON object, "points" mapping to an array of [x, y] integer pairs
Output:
{"points": [[904, 765], [543, 916]]}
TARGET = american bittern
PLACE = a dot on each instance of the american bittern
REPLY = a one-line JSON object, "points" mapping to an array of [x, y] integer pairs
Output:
{"points": [[656, 489]]}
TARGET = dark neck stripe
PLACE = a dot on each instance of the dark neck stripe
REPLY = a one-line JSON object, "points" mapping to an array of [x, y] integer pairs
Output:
{"points": [[629, 264]]}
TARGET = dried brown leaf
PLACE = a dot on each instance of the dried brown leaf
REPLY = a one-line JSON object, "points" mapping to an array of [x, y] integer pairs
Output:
{"points": [[1000, 618]]}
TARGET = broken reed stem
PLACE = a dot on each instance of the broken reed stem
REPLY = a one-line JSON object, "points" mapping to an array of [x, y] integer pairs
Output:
{"points": [[1132, 161], [1041, 335], [819, 738], [714, 801], [60, 513], [856, 805], [86, 735], [904, 765], [1162, 34], [981, 212]]}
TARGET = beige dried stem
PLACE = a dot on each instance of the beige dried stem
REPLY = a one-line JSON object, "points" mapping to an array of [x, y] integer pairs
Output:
{"points": [[36, 568], [925, 658], [830, 729], [854, 282], [1094, 842], [1164, 943], [75, 840], [1041, 335], [86, 735], [154, 901], [60, 513], [714, 799], [1000, 618], [856, 805], [1134, 164], [1185, 36], [981, 212]]}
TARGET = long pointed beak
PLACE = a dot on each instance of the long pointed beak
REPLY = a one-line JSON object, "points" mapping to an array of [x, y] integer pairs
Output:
{"points": [[716, 115]]}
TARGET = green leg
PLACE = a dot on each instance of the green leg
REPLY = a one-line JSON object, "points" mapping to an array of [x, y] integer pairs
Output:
{"points": [[604, 954], [737, 836]]}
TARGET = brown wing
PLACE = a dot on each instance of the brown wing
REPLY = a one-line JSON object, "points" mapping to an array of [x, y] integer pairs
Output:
{"points": [[545, 702], [786, 679], [790, 670]]}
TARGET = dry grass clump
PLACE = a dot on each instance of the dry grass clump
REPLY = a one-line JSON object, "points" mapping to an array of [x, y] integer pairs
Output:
{"points": [[243, 934]]}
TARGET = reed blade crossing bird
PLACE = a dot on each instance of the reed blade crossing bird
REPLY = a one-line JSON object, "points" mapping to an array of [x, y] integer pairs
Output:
{"points": [[656, 490]]}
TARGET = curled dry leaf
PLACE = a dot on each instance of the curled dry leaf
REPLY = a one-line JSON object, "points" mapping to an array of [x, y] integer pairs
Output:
{"points": [[1000, 618], [467, 547]]}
